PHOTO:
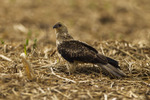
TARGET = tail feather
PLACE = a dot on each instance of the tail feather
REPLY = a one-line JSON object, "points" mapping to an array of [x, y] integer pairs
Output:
{"points": [[113, 62], [114, 72]]}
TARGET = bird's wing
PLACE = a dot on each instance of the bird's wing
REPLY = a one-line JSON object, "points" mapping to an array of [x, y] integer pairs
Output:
{"points": [[113, 62], [78, 51]]}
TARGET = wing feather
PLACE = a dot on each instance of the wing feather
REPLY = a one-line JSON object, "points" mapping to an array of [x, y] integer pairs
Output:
{"points": [[113, 62], [78, 51]]}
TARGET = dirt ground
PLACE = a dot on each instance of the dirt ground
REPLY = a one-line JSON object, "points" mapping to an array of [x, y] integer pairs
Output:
{"points": [[116, 28]]}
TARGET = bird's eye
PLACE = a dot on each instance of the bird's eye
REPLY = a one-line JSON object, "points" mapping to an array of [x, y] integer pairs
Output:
{"points": [[59, 25]]}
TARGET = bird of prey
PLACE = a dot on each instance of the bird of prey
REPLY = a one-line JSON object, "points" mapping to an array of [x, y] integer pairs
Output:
{"points": [[75, 51]]}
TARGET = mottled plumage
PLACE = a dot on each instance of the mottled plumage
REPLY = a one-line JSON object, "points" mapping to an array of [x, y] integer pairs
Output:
{"points": [[76, 51]]}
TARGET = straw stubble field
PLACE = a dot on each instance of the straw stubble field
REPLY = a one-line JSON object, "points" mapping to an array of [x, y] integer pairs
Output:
{"points": [[116, 29]]}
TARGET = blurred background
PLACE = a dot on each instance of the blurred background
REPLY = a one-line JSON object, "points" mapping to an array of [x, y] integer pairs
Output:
{"points": [[87, 20]]}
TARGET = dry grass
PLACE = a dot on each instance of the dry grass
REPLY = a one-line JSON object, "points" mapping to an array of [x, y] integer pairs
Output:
{"points": [[121, 26], [51, 80]]}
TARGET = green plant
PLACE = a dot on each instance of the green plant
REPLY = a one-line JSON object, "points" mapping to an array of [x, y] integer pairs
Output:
{"points": [[35, 43], [27, 42], [25, 46], [25, 49], [2, 41]]}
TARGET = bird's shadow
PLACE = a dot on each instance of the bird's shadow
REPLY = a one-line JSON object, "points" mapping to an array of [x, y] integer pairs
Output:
{"points": [[84, 69], [87, 70]]}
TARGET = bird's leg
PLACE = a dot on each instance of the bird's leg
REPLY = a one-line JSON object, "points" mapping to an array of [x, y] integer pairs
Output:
{"points": [[68, 68], [71, 67], [59, 57]]}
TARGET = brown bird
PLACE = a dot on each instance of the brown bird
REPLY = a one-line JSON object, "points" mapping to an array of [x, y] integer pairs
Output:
{"points": [[75, 52]]}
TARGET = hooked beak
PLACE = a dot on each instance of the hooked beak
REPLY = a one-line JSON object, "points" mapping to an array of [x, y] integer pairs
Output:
{"points": [[55, 26]]}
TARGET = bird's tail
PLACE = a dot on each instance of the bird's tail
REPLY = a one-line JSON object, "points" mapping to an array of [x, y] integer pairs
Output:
{"points": [[112, 71]]}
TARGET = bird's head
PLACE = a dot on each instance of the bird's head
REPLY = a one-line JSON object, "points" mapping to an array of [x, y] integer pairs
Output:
{"points": [[60, 28]]}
